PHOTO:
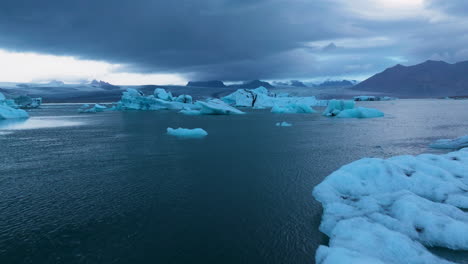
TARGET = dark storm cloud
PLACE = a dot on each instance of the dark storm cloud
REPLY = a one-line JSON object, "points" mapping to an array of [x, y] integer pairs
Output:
{"points": [[214, 39]]}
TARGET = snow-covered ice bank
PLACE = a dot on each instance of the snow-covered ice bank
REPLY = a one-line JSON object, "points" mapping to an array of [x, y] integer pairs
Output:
{"points": [[283, 124], [262, 98], [8, 109], [458, 143], [186, 132], [212, 107], [384, 211], [293, 109], [135, 100], [345, 109]]}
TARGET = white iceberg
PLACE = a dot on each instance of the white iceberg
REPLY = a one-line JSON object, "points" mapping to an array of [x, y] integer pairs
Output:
{"points": [[8, 109], [135, 100], [261, 98], [293, 109], [458, 143], [397, 205], [283, 124], [360, 112], [186, 132]]}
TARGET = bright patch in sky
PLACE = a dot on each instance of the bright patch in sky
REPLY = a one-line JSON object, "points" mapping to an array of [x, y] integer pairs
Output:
{"points": [[33, 67], [386, 9]]}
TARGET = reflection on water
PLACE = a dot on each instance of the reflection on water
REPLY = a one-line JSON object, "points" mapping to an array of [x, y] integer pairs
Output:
{"points": [[37, 122]]}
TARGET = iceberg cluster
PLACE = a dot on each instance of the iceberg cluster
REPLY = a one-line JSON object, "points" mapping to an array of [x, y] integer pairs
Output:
{"points": [[133, 99], [186, 132], [345, 109], [25, 101], [458, 143], [293, 109], [262, 98], [8, 109], [387, 211]]}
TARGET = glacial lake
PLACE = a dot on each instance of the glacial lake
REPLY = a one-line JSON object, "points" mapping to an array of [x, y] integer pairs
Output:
{"points": [[114, 188]]}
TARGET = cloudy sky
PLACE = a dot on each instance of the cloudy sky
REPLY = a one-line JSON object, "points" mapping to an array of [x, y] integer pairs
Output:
{"points": [[172, 41]]}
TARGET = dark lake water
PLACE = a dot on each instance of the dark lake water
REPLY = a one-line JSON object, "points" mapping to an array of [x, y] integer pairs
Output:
{"points": [[114, 188]]}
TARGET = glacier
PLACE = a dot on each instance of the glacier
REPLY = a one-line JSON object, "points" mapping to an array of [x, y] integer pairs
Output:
{"points": [[390, 210], [457, 143], [187, 133], [9, 110], [261, 98]]}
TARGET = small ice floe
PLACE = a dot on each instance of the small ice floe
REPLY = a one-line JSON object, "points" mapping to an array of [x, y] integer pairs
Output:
{"points": [[457, 143], [293, 109], [283, 124], [345, 109], [95, 109], [9, 110], [390, 210], [186, 132], [360, 112], [374, 98]]}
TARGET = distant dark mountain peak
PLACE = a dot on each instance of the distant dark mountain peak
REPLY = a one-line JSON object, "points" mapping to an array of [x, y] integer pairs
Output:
{"points": [[213, 83], [254, 84], [102, 84], [428, 79], [297, 83]]}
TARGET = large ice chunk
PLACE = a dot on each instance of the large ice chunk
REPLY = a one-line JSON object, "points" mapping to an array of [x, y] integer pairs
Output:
{"points": [[217, 107], [293, 109], [261, 97], [421, 198], [334, 107], [163, 94], [186, 132], [8, 109], [345, 109], [360, 112], [458, 143], [283, 124]]}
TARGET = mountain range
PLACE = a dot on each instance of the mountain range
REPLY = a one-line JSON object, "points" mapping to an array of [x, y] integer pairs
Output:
{"points": [[428, 79]]}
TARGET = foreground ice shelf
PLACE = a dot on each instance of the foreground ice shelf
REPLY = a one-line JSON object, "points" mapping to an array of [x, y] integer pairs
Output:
{"points": [[389, 211]]}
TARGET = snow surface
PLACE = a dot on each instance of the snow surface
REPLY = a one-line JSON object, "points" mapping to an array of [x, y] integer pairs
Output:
{"points": [[293, 109], [388, 209], [186, 132], [283, 124], [8, 109], [458, 143], [360, 112], [261, 97]]}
